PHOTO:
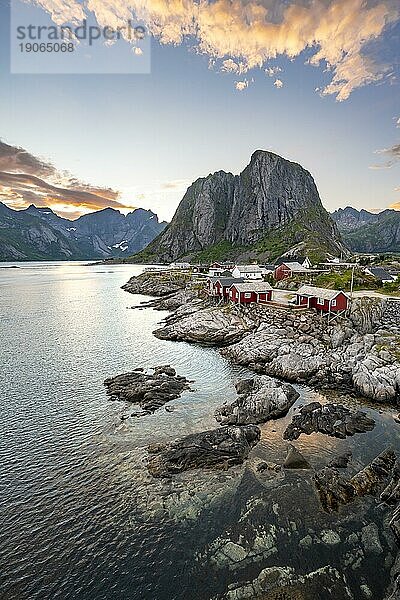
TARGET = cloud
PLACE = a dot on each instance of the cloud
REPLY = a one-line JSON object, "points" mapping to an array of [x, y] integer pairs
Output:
{"points": [[392, 157], [398, 122], [26, 179], [278, 83], [241, 85], [337, 33], [272, 71]]}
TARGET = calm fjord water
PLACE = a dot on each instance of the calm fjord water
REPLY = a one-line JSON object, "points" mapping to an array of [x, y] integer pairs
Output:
{"points": [[70, 528]]}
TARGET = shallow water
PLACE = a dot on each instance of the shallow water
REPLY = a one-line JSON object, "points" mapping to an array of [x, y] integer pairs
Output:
{"points": [[80, 518]]}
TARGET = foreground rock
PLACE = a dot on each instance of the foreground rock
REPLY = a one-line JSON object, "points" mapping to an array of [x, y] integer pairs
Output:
{"points": [[211, 326], [261, 399], [149, 390], [219, 448], [334, 489], [332, 419]]}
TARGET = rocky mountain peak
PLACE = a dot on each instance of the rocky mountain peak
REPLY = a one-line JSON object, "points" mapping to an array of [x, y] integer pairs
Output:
{"points": [[271, 206]]}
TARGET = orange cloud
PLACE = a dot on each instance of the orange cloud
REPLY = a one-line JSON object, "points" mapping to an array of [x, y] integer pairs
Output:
{"points": [[25, 180], [246, 34]]}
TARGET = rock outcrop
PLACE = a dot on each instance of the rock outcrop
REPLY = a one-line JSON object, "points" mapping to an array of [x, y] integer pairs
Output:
{"points": [[302, 348], [219, 448], [332, 419], [273, 202], [211, 326], [261, 399], [161, 283], [149, 391]]}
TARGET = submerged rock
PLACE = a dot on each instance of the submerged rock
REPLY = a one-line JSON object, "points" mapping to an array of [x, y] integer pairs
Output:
{"points": [[341, 461], [149, 390], [260, 399], [219, 448], [334, 489], [332, 419], [281, 583]]}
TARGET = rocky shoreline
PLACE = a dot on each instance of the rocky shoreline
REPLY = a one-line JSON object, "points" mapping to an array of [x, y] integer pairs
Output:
{"points": [[357, 354]]}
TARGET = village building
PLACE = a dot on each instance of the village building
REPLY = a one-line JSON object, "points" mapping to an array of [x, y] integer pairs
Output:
{"points": [[380, 274], [245, 293], [304, 261], [218, 287], [220, 270], [268, 269], [289, 269], [180, 265], [248, 272], [327, 301]]}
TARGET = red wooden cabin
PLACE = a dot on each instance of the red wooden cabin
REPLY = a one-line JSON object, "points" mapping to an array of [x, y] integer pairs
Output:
{"points": [[288, 269], [245, 293], [322, 299]]}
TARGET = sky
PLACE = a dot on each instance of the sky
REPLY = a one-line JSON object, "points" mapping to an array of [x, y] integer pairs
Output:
{"points": [[316, 81]]}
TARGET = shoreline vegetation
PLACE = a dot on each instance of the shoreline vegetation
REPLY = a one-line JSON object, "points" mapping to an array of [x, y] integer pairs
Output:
{"points": [[359, 354]]}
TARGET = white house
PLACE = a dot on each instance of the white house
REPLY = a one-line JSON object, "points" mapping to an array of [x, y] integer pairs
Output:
{"points": [[248, 272]]}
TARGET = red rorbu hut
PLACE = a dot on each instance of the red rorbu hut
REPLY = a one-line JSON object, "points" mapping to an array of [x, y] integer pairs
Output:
{"points": [[289, 269], [218, 287], [322, 299], [245, 293]]}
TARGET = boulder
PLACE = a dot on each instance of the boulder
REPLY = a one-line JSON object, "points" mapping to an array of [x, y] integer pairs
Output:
{"points": [[260, 399], [332, 419], [149, 390], [219, 448]]}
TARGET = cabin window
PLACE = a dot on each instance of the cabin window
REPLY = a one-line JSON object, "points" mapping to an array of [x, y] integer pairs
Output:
{"points": [[247, 295], [321, 301], [333, 303]]}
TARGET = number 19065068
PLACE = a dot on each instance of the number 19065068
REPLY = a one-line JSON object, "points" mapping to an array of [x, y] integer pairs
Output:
{"points": [[47, 47]]}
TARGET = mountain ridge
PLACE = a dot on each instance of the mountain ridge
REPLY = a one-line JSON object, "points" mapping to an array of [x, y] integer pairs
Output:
{"points": [[366, 232], [38, 233]]}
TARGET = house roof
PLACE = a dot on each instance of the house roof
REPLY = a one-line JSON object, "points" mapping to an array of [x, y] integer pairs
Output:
{"points": [[297, 259], [249, 268], [380, 273], [295, 267], [226, 281], [317, 292], [255, 286], [269, 267]]}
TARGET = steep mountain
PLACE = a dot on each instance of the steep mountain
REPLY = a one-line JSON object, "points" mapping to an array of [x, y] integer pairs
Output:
{"points": [[363, 231], [272, 207], [40, 234]]}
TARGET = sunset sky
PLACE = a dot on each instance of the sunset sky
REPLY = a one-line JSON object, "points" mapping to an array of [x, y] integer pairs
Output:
{"points": [[316, 81]]}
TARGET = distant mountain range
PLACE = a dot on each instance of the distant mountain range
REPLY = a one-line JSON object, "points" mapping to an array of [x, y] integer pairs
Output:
{"points": [[272, 208], [40, 234], [363, 231]]}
